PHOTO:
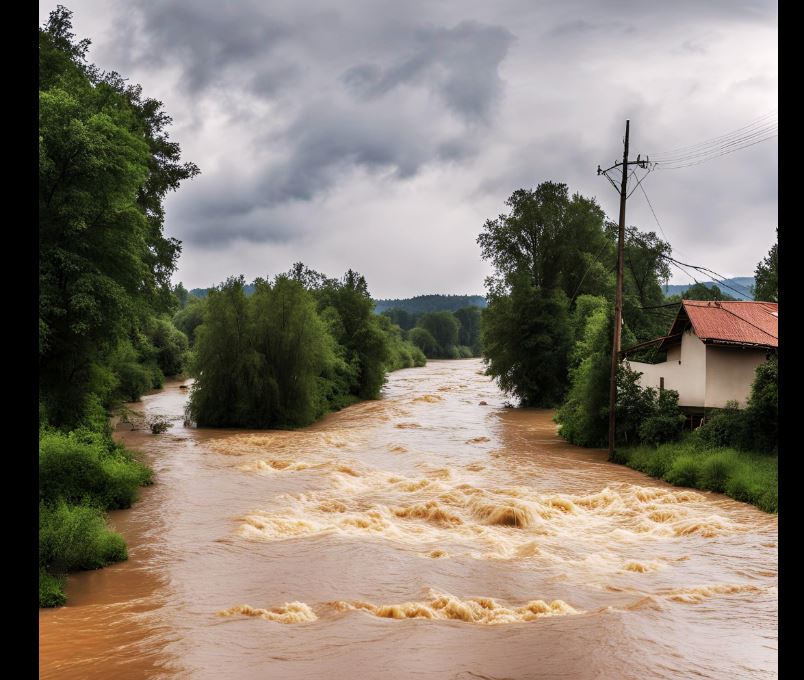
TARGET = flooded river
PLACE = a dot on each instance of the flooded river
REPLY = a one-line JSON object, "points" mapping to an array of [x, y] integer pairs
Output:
{"points": [[434, 533]]}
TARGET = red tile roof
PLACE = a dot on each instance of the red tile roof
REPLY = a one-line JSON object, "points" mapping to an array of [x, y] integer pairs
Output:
{"points": [[742, 323]]}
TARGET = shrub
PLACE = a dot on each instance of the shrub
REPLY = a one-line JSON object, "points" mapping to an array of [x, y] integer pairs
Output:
{"points": [[51, 590], [683, 471], [660, 461], [762, 412], [83, 466], [724, 427], [741, 488], [74, 537], [716, 470]]}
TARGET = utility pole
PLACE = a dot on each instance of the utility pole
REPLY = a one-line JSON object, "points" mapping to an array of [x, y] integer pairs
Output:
{"points": [[618, 303]]}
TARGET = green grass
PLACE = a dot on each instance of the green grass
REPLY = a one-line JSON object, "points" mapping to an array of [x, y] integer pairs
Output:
{"points": [[748, 477]]}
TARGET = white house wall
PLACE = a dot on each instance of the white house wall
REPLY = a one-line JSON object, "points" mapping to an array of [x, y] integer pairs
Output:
{"points": [[687, 376], [729, 374]]}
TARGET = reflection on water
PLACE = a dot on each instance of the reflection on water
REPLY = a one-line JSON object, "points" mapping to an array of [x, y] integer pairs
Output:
{"points": [[433, 533]]}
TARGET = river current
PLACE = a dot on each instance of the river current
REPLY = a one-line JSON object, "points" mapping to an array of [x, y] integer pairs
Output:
{"points": [[434, 533]]}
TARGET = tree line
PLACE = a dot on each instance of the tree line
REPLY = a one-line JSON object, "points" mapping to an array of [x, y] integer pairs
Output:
{"points": [[547, 330], [441, 334], [106, 163]]}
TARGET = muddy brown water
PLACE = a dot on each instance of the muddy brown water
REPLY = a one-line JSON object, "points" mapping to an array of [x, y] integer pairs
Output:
{"points": [[423, 535]]}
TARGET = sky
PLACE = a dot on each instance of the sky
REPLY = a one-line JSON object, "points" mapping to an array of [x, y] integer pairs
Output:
{"points": [[380, 136]]}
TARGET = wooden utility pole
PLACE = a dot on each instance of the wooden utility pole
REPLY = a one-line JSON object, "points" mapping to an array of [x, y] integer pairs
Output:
{"points": [[618, 302]]}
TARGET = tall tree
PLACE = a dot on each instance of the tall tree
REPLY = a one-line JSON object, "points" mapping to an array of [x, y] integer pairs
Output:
{"points": [[105, 166], [766, 276]]}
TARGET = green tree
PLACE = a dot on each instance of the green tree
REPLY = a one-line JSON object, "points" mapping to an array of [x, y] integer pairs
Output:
{"points": [[105, 166], [294, 346], [423, 339], [190, 317], [444, 328], [699, 291], [469, 333], [766, 276], [401, 317], [547, 236], [358, 330], [226, 364], [526, 336]]}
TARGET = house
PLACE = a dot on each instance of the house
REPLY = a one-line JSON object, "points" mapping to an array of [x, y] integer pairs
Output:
{"points": [[713, 349]]}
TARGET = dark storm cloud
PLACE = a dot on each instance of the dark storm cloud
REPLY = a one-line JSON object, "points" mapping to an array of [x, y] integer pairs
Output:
{"points": [[461, 64]]}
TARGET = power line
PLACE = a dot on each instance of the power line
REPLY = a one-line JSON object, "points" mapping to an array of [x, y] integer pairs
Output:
{"points": [[714, 148], [719, 139], [720, 278], [659, 166]]}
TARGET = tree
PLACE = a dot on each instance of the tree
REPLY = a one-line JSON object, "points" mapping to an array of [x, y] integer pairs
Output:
{"points": [[443, 327], [105, 167], [401, 317], [469, 332], [423, 339], [357, 329], [766, 276], [547, 236], [526, 336], [226, 364], [699, 291]]}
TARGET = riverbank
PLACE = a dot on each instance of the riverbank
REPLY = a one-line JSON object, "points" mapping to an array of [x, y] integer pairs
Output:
{"points": [[744, 476]]}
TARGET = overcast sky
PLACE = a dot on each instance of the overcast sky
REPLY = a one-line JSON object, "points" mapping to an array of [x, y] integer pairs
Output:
{"points": [[380, 136]]}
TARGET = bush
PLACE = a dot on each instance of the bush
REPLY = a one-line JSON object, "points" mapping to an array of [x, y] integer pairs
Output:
{"points": [[716, 470], [747, 477], [134, 378], [683, 471], [82, 466], [51, 590], [725, 427], [762, 412], [75, 537]]}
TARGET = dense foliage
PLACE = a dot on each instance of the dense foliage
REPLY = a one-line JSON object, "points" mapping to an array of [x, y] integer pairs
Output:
{"points": [[430, 303], [766, 287], [106, 164], [300, 346], [700, 291], [546, 332], [441, 334]]}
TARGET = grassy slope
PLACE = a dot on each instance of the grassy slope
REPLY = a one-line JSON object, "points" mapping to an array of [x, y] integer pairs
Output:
{"points": [[748, 477]]}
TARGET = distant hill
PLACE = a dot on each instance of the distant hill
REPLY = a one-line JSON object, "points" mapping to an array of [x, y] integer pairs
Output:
{"points": [[741, 285], [202, 292], [430, 303], [414, 305]]}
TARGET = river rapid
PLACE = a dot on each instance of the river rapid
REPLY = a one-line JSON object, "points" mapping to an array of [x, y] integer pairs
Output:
{"points": [[434, 533]]}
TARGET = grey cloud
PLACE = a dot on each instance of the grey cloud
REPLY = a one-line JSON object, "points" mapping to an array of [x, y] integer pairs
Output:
{"points": [[460, 64], [311, 126]]}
